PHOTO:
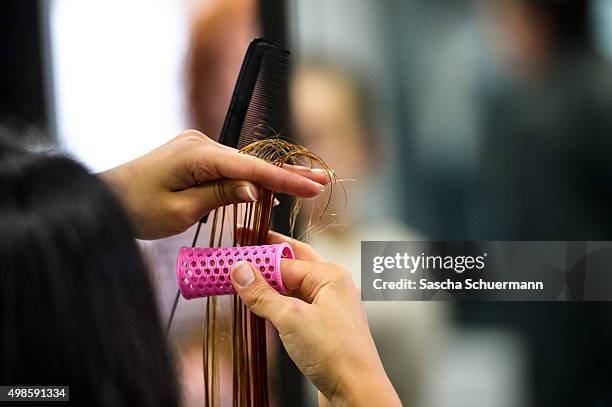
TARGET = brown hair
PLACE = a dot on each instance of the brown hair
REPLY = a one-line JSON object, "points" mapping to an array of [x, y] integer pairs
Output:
{"points": [[220, 34], [250, 224]]}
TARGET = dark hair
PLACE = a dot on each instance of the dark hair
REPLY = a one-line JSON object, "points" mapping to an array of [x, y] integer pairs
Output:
{"points": [[571, 20], [76, 304]]}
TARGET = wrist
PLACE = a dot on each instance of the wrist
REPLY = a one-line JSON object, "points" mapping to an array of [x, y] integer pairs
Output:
{"points": [[116, 180], [365, 387]]}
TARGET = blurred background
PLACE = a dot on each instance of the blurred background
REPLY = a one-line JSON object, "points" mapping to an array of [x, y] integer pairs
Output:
{"points": [[446, 119]]}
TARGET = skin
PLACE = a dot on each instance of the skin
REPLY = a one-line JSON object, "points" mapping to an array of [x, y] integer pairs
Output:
{"points": [[172, 187], [322, 326]]}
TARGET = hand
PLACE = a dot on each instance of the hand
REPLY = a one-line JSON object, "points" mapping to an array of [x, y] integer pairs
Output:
{"points": [[325, 332], [169, 189]]}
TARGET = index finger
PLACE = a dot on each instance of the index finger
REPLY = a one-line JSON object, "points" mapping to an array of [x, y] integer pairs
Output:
{"points": [[301, 250], [319, 175], [248, 168], [305, 276]]}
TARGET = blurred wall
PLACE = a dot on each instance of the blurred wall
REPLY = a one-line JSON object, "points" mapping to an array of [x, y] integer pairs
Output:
{"points": [[118, 76], [350, 33]]}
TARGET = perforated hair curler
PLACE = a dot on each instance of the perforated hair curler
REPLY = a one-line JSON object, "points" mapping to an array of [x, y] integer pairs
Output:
{"points": [[205, 272]]}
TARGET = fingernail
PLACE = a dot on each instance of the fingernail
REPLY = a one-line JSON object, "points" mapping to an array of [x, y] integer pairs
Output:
{"points": [[246, 193], [318, 170], [243, 273]]}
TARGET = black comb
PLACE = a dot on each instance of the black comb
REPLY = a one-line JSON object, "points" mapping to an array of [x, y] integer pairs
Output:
{"points": [[249, 117], [250, 114]]}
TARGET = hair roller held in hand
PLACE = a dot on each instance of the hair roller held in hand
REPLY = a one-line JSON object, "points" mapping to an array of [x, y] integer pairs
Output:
{"points": [[205, 272]]}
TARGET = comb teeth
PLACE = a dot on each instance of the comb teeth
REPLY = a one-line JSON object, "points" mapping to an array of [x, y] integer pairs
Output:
{"points": [[258, 122], [251, 112]]}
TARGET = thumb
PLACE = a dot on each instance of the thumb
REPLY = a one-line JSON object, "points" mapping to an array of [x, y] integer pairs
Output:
{"points": [[256, 293], [211, 195]]}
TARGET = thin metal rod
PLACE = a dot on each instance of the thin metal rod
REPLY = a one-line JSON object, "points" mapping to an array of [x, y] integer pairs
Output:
{"points": [[178, 292], [169, 324]]}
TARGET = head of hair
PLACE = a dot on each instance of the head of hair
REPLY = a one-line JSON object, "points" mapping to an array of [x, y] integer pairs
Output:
{"points": [[76, 304], [353, 96], [570, 20], [220, 34]]}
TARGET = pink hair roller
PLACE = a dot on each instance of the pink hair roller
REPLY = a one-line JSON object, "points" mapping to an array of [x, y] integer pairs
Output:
{"points": [[205, 272]]}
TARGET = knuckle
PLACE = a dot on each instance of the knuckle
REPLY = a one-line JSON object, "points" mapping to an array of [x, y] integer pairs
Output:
{"points": [[264, 171], [336, 270], [283, 180], [184, 212], [220, 195], [193, 135], [204, 163], [339, 275], [291, 314], [257, 299], [192, 214], [255, 168]]}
